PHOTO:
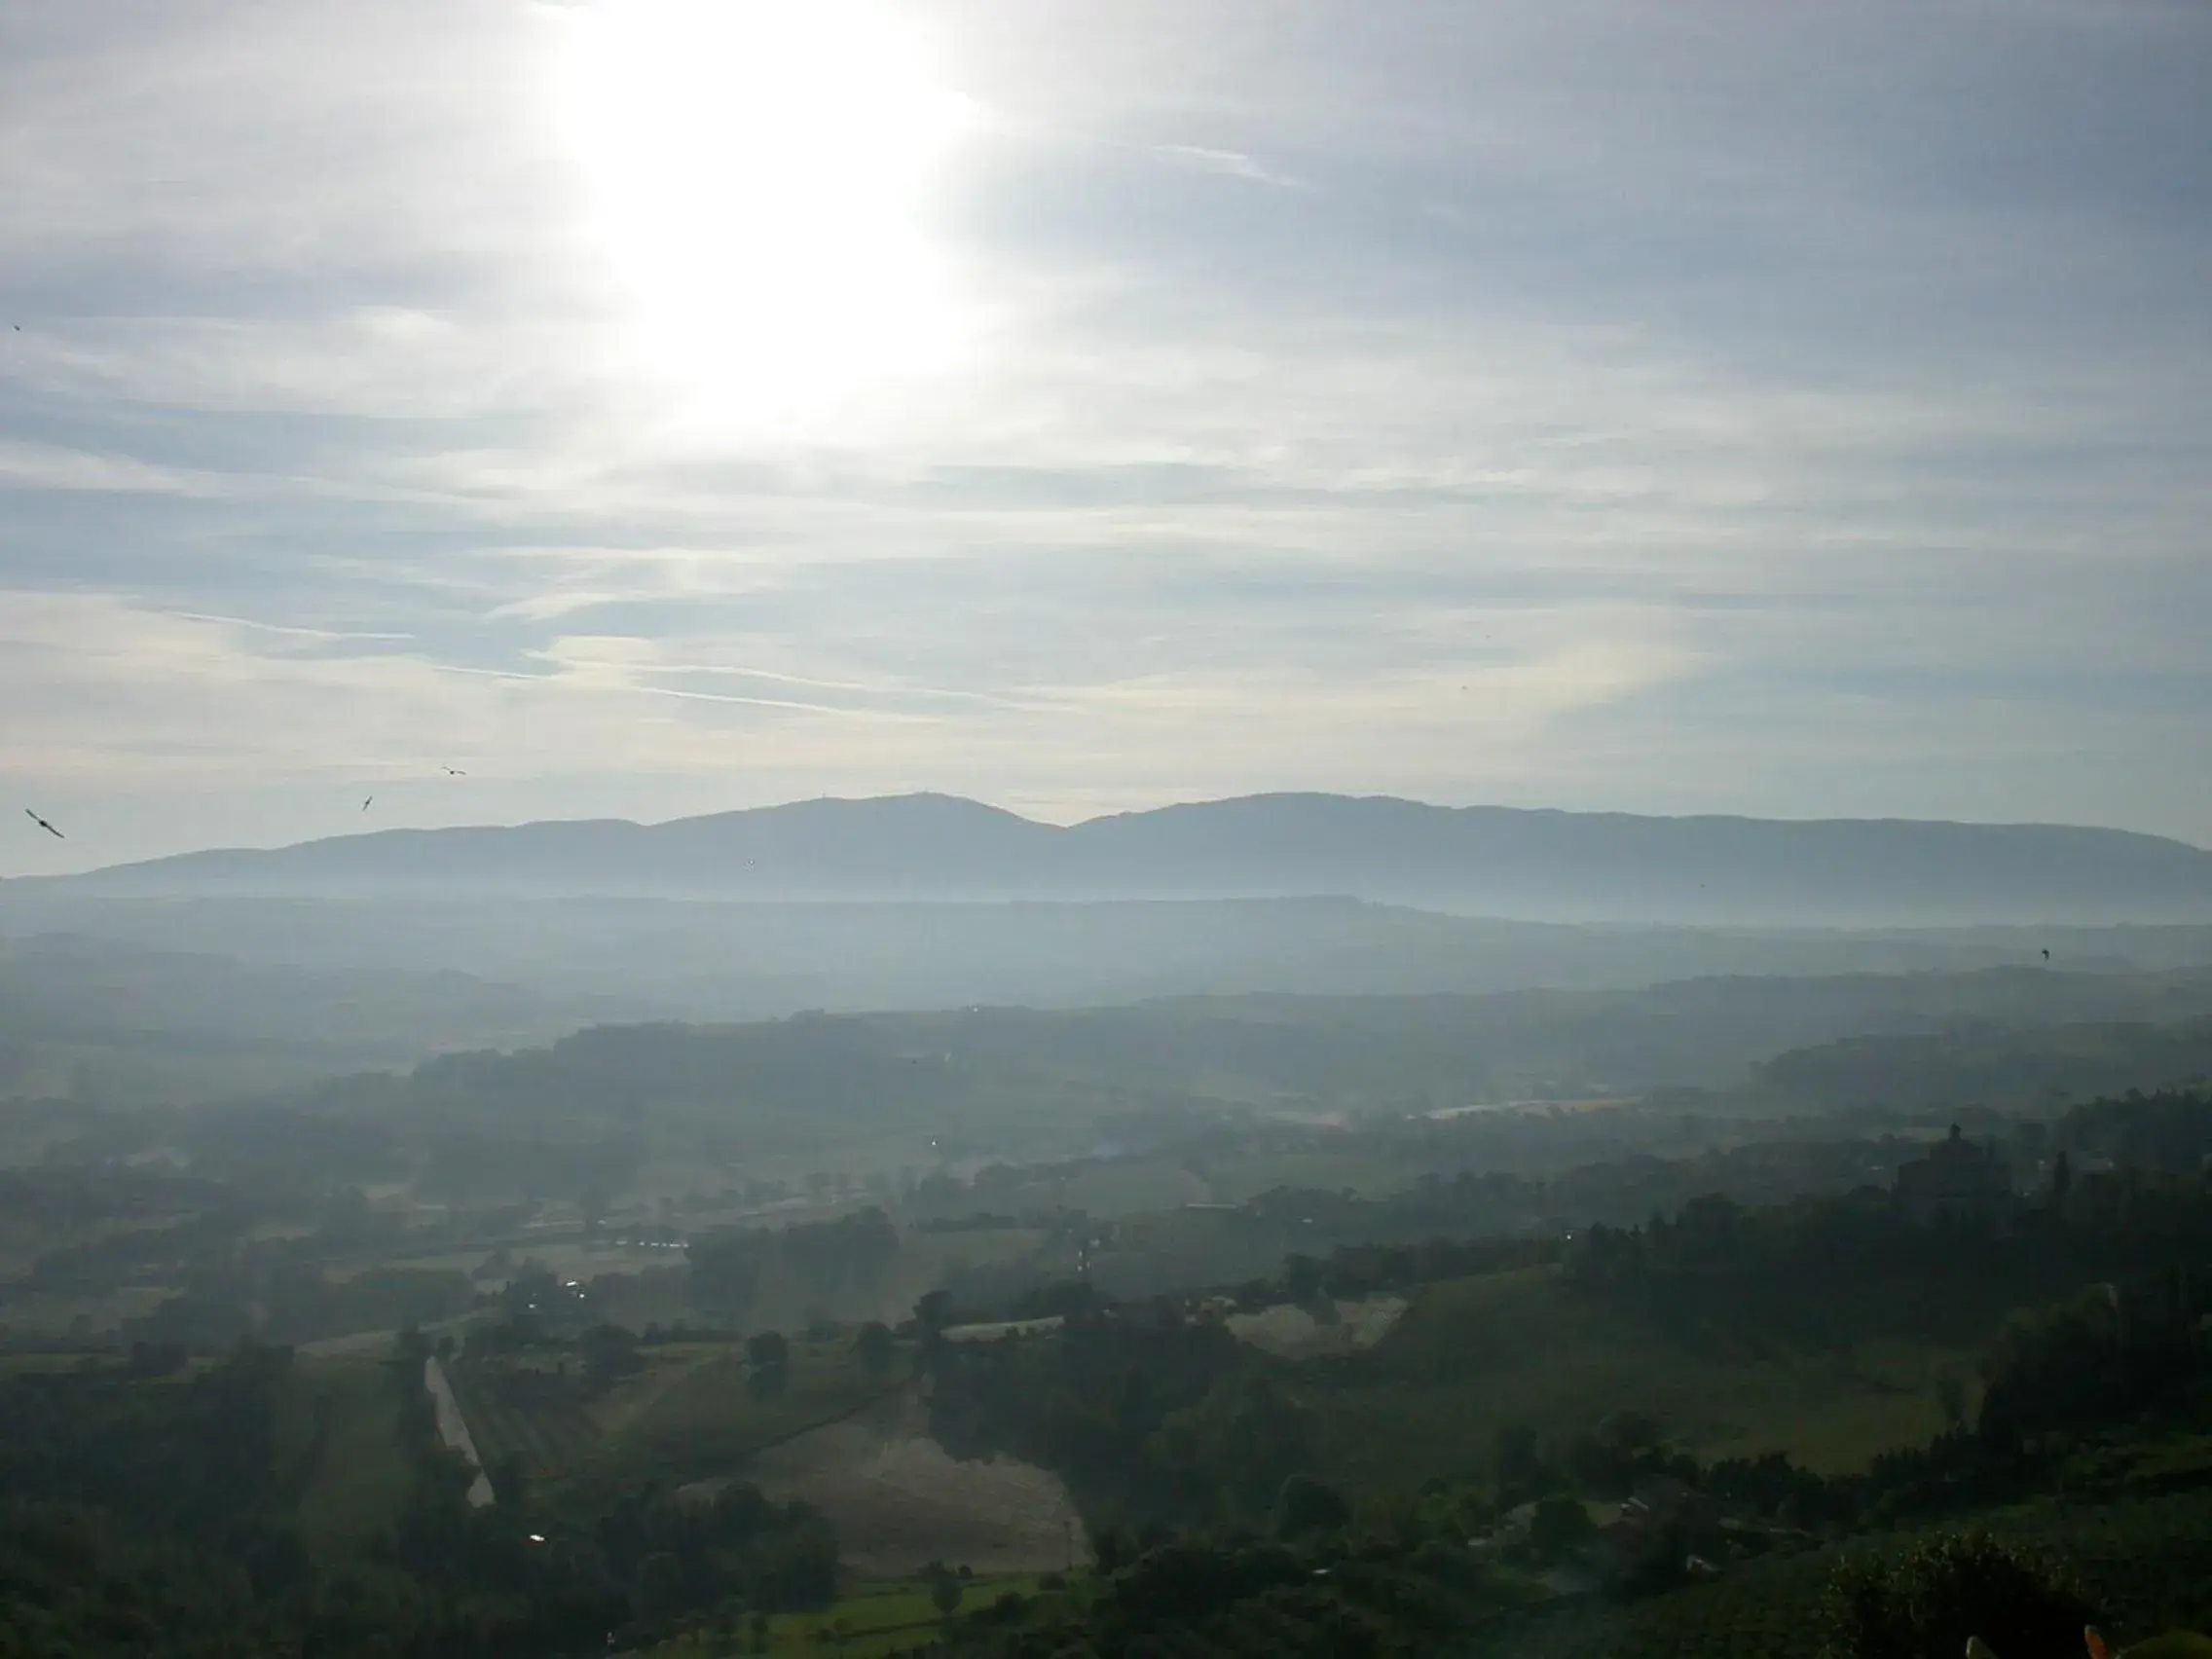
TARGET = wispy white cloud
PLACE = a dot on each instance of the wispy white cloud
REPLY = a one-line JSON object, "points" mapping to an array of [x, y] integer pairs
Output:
{"points": [[286, 631], [1628, 406], [1230, 164], [51, 466]]}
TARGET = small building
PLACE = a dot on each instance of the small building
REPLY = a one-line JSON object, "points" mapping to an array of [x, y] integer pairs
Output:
{"points": [[1957, 1177]]}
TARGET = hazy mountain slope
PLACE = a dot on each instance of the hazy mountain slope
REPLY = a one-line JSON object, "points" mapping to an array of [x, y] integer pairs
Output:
{"points": [[1008, 1081], [1997, 1066], [99, 1021], [1493, 860], [718, 960]]}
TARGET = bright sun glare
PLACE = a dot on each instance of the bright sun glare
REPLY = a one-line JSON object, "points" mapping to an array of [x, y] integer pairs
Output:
{"points": [[756, 168]]}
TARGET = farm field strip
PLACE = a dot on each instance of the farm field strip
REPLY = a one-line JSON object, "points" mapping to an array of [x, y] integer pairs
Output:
{"points": [[546, 1437]]}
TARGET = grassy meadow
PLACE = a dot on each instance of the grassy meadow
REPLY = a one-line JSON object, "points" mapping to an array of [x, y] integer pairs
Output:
{"points": [[1473, 1357]]}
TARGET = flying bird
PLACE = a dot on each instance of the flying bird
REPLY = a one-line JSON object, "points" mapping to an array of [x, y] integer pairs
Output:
{"points": [[2047, 955], [44, 825], [455, 772], [370, 801]]}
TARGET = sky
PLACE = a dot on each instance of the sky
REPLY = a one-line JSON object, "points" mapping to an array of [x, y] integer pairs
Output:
{"points": [[650, 407]]}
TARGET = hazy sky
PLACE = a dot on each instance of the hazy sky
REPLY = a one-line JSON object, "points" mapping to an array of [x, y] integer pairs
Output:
{"points": [[1773, 406]]}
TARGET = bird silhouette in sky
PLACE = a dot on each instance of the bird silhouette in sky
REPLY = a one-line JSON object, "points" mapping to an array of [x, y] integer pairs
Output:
{"points": [[44, 825], [370, 801], [2047, 955], [455, 772]]}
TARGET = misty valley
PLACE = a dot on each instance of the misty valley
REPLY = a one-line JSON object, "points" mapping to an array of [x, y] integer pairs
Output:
{"points": [[536, 1273]]}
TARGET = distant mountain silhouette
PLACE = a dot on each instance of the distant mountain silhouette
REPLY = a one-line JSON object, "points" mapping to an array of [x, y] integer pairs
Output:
{"points": [[1481, 859]]}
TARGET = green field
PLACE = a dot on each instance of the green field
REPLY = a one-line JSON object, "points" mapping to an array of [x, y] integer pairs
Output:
{"points": [[690, 1414], [709, 1420], [535, 1418], [359, 1477], [1475, 1355]]}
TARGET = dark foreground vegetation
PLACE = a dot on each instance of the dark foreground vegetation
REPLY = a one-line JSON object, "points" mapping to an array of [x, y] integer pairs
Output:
{"points": [[167, 1507]]}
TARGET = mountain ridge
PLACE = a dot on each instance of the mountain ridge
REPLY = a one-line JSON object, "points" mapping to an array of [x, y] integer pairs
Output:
{"points": [[1510, 862]]}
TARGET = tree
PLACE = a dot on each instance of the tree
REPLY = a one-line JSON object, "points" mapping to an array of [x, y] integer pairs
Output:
{"points": [[877, 1349], [1307, 1506], [946, 1588]]}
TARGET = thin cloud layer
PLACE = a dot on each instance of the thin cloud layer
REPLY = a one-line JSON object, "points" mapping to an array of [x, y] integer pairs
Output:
{"points": [[1578, 403]]}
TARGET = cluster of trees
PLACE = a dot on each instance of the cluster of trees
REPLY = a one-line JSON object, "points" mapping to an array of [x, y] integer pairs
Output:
{"points": [[304, 1303], [737, 1554], [1617, 1190], [58, 1201], [2106, 1354], [195, 1242], [2170, 1129], [1871, 1264], [218, 1307]]}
